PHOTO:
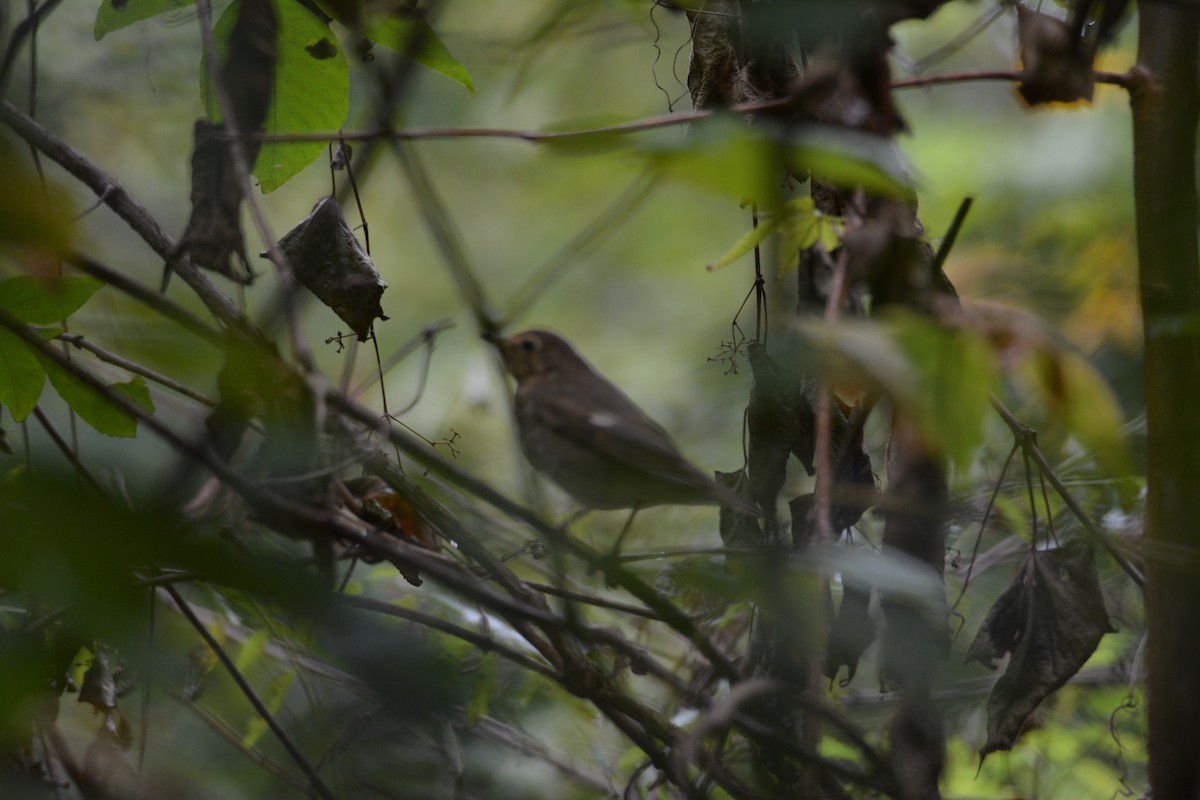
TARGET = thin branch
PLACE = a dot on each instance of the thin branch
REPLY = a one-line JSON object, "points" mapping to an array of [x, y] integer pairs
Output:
{"points": [[484, 643], [317, 782], [24, 30], [593, 600], [1122, 79], [448, 239], [222, 729], [67, 451], [425, 337], [960, 216], [136, 368], [119, 199], [148, 297], [1023, 434], [671, 615], [496, 732], [987, 513]]}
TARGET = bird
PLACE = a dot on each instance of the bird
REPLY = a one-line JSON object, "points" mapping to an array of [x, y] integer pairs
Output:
{"points": [[586, 435]]}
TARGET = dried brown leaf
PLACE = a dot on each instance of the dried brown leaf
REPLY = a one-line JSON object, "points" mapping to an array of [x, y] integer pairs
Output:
{"points": [[1051, 618]]}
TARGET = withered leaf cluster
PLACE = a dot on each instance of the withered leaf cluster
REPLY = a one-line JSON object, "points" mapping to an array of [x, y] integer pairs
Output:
{"points": [[1050, 619], [213, 237]]}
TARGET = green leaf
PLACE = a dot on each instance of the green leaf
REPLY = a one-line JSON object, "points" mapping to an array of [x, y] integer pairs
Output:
{"points": [[21, 377], [723, 155], [272, 697], [251, 650], [955, 372], [941, 377], [401, 34], [109, 19], [851, 159], [43, 302], [1080, 400], [312, 90], [480, 699], [94, 409], [800, 226], [748, 241]]}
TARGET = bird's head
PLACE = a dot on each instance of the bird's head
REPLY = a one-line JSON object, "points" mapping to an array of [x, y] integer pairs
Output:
{"points": [[535, 353]]}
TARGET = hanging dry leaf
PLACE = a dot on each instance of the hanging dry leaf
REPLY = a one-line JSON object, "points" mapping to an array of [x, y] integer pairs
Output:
{"points": [[779, 421], [739, 529], [1055, 69], [329, 261], [1050, 618], [851, 633], [99, 686], [213, 236]]}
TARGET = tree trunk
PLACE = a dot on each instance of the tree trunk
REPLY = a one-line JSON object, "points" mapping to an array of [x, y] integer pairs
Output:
{"points": [[1164, 123]]}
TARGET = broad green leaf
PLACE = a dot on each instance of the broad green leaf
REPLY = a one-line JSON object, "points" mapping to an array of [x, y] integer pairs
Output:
{"points": [[1078, 398], [273, 698], [312, 90], [941, 377], [43, 302], [851, 159], [109, 18], [859, 355], [94, 409], [723, 155], [416, 40], [956, 372], [21, 377]]}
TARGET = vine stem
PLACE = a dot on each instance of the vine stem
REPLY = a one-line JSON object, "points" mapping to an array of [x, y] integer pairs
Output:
{"points": [[1024, 436], [1122, 79]]}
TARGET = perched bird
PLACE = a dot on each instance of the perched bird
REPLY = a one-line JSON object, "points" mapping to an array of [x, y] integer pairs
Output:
{"points": [[588, 437]]}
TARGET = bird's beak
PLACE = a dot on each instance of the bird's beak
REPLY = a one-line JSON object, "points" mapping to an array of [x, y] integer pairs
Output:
{"points": [[491, 338]]}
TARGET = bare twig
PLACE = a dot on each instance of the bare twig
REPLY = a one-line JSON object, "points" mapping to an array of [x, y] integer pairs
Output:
{"points": [[448, 240], [496, 732], [1122, 79], [136, 368], [222, 729], [1024, 436], [65, 447], [315, 779], [484, 643]]}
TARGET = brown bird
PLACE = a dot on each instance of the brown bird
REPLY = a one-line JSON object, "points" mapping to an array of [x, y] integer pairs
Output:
{"points": [[583, 433]]}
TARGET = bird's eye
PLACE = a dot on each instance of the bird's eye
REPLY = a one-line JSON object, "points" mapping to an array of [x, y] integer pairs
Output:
{"points": [[529, 345]]}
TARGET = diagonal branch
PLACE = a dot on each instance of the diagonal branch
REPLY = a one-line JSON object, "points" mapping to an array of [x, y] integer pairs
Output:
{"points": [[1022, 433], [119, 199], [318, 783]]}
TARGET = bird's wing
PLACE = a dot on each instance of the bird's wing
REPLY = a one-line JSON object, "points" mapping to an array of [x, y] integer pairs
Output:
{"points": [[612, 426]]}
